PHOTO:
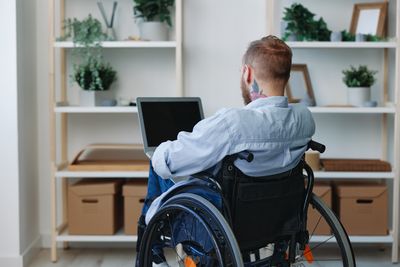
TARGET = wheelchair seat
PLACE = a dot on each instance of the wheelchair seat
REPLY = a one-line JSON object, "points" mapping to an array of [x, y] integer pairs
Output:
{"points": [[265, 209]]}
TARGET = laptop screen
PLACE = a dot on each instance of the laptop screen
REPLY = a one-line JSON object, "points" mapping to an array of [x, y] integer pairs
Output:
{"points": [[163, 120]]}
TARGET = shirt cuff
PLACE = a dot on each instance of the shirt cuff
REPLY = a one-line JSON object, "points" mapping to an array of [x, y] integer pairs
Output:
{"points": [[159, 164]]}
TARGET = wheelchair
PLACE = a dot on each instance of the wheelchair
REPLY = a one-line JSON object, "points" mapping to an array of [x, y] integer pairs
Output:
{"points": [[237, 220]]}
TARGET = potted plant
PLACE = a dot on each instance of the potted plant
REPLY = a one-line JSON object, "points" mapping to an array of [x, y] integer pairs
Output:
{"points": [[359, 81], [155, 16], [94, 77], [90, 71], [301, 25]]}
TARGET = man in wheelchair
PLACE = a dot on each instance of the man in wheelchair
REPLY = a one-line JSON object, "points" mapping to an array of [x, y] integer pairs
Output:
{"points": [[275, 135]]}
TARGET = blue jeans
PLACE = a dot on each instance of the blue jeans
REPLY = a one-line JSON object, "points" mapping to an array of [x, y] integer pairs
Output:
{"points": [[155, 187]]}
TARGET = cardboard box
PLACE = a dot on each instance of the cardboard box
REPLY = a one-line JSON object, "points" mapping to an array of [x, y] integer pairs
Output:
{"points": [[134, 193], [94, 207], [363, 208], [315, 225]]}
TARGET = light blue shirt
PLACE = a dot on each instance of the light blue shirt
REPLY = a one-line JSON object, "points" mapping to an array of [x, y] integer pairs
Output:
{"points": [[274, 131]]}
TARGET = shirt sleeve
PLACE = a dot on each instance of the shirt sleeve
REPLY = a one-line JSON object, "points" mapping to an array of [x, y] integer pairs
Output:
{"points": [[205, 146]]}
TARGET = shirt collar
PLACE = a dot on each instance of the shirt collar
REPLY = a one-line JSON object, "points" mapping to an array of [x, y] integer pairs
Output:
{"points": [[275, 101]]}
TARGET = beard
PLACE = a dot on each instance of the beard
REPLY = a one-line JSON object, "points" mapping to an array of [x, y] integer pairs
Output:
{"points": [[245, 92]]}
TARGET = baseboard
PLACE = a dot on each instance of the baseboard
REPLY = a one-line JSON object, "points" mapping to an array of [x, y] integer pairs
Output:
{"points": [[46, 243], [22, 260], [31, 251], [9, 261]]}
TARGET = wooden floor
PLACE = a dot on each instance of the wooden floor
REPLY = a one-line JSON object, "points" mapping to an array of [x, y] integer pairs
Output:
{"points": [[122, 257]]}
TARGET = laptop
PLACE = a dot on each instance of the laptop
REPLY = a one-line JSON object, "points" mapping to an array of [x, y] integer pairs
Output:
{"points": [[162, 118]]}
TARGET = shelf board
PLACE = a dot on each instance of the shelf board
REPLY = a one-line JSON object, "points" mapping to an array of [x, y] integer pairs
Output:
{"points": [[118, 237], [342, 44], [354, 175], [121, 109], [121, 237], [355, 239], [101, 174], [79, 109], [124, 44], [355, 110], [144, 174]]}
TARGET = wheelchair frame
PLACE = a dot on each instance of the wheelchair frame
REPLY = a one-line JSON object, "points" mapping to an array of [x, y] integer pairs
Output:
{"points": [[180, 200]]}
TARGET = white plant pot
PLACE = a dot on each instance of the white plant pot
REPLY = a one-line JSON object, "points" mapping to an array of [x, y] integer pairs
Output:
{"points": [[357, 96], [153, 31], [93, 98]]}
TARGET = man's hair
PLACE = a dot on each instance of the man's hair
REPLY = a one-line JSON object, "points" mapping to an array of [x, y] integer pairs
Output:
{"points": [[271, 59]]}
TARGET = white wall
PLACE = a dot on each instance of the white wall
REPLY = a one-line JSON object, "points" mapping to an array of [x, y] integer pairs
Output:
{"points": [[216, 33], [9, 224], [19, 228], [27, 129]]}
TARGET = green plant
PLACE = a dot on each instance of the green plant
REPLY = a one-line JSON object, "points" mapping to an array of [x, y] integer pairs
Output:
{"points": [[87, 32], [89, 70], [94, 75], [374, 38], [301, 22], [361, 77], [347, 36], [153, 10], [321, 31]]}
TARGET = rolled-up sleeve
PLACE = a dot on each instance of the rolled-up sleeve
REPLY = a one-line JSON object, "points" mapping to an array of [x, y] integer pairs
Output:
{"points": [[193, 152]]}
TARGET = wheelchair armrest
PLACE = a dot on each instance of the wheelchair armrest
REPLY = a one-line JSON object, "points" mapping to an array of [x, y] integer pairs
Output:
{"points": [[316, 146]]}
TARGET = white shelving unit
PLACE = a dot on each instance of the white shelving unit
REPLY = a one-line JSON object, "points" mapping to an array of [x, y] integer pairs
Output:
{"points": [[350, 110], [378, 45], [118, 237], [385, 239], [78, 109], [273, 16], [103, 174], [59, 115], [354, 175], [124, 44]]}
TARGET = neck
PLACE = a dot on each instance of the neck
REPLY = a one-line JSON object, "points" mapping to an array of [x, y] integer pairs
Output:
{"points": [[270, 89]]}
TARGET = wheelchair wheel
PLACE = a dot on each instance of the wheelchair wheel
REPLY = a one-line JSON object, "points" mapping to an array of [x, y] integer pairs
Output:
{"points": [[332, 248], [189, 231]]}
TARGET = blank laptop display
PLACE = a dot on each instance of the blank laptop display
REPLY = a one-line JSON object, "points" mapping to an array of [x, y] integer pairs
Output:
{"points": [[161, 119]]}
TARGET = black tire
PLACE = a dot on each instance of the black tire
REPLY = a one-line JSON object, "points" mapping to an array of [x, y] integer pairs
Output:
{"points": [[338, 240], [225, 251]]}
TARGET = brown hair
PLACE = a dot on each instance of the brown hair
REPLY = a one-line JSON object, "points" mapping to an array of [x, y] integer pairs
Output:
{"points": [[271, 59]]}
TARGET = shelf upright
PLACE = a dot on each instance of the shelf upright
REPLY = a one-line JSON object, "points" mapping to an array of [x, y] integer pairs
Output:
{"points": [[179, 48], [53, 22], [52, 137], [392, 238], [396, 186]]}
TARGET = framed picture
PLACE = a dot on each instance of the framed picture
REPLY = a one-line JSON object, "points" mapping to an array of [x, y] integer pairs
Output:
{"points": [[369, 18], [299, 88]]}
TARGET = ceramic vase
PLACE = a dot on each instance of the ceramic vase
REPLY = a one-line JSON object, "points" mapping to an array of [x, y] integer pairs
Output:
{"points": [[357, 96], [153, 31]]}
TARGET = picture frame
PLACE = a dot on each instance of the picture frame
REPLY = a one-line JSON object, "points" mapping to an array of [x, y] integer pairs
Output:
{"points": [[369, 18], [299, 87]]}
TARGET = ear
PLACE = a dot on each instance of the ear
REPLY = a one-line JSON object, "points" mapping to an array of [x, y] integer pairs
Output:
{"points": [[248, 74]]}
